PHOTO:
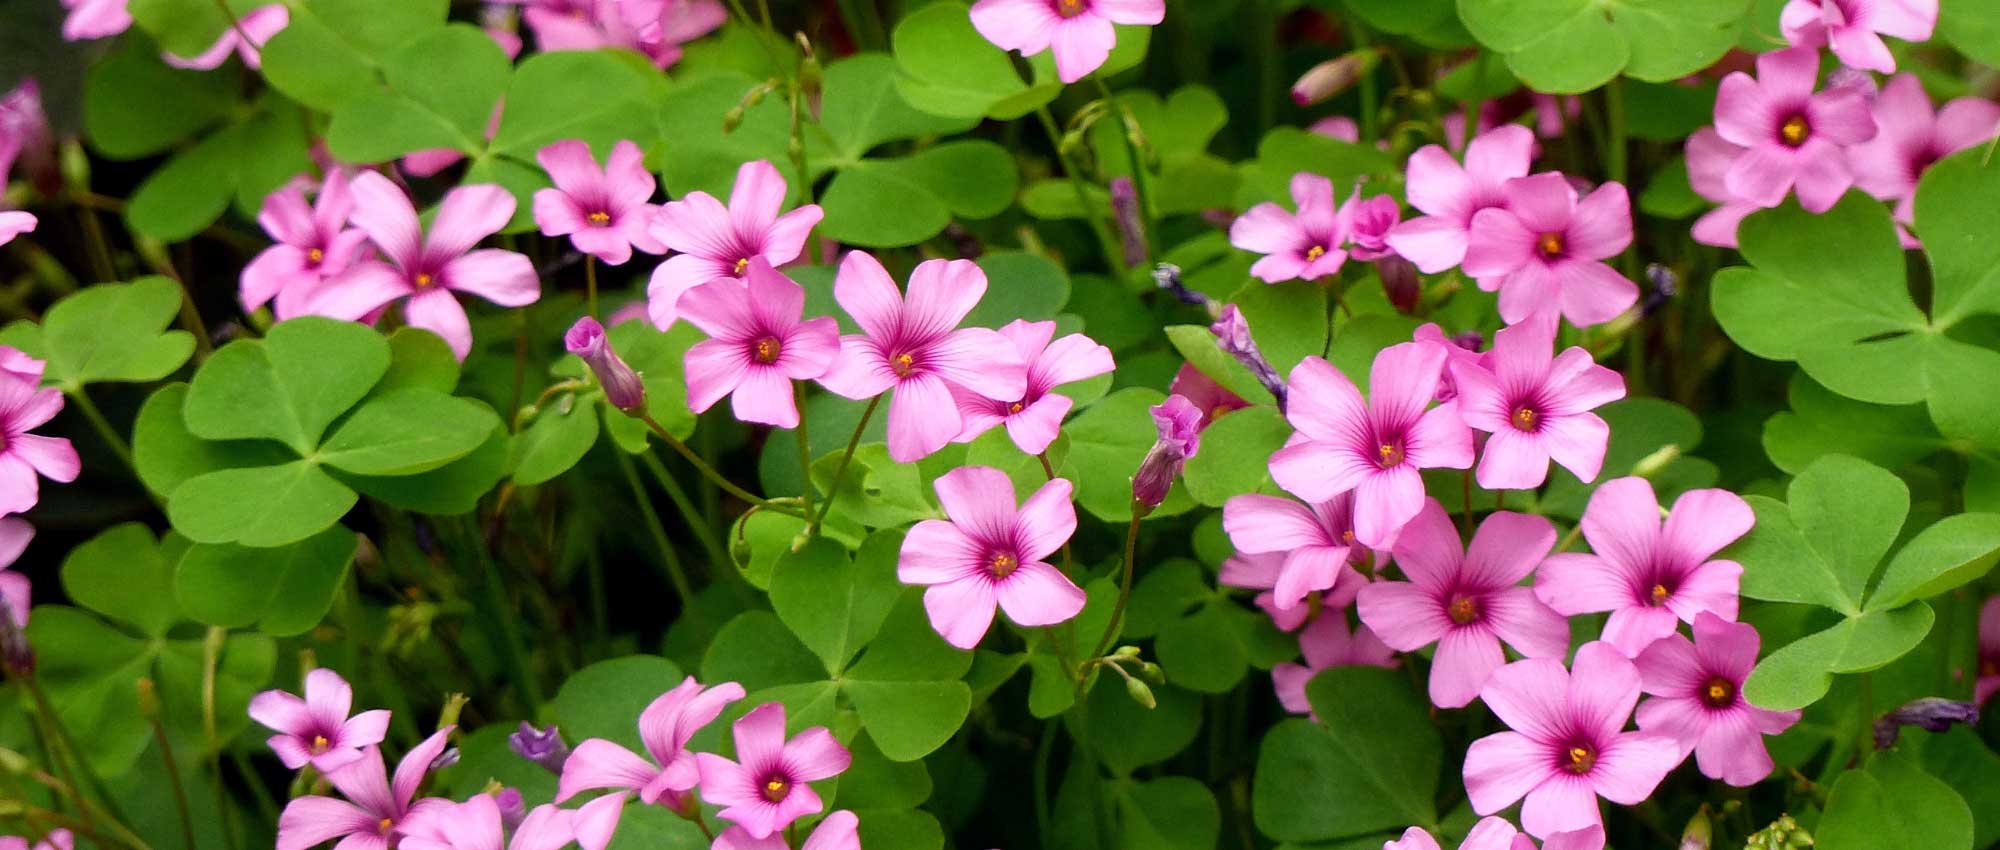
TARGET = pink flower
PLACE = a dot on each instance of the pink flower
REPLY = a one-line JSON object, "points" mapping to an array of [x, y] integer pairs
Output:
{"points": [[1466, 600], [1911, 137], [757, 345], [1855, 28], [314, 244], [718, 242], [58, 839], [765, 789], [316, 730], [1207, 396], [1178, 424], [1648, 576], [1709, 158], [1698, 701], [1793, 136], [664, 25], [1537, 407], [426, 270], [1546, 250], [1260, 572], [655, 28], [1079, 30], [14, 586], [1316, 540], [1367, 224], [623, 387], [1338, 127], [478, 824], [1296, 246], [24, 457], [603, 212], [1034, 419], [1487, 834], [1460, 349], [1988, 681], [88, 19], [14, 223], [664, 727], [1568, 745], [24, 135], [1373, 447], [915, 347], [991, 552], [1450, 195], [377, 810], [258, 25], [838, 831], [1327, 643]]}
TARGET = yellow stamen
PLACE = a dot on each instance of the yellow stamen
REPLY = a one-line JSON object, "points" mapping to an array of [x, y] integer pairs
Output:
{"points": [[1464, 610], [1719, 693], [1795, 131], [1581, 759], [1069, 8], [1347, 536], [775, 789], [1016, 407], [1314, 253], [424, 280], [903, 364], [1003, 565], [1524, 419], [600, 218], [320, 743], [768, 349], [385, 825], [315, 255], [1660, 594], [1551, 244], [1390, 455], [741, 265]]}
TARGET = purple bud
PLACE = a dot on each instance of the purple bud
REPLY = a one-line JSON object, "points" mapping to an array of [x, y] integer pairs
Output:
{"points": [[622, 386], [513, 809], [544, 747], [1932, 714], [16, 654], [1665, 284], [445, 759], [1232, 334], [1167, 276], [1179, 424], [1400, 283], [1131, 226]]}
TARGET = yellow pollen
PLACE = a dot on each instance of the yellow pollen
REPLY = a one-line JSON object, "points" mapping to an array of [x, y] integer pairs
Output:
{"points": [[1347, 536], [775, 789], [1524, 419], [315, 255], [319, 744], [1003, 565], [1016, 407], [1719, 692], [1795, 131], [1551, 244], [1389, 455], [903, 363], [424, 280], [1463, 610], [1314, 253], [768, 349], [741, 265], [384, 825], [1069, 8], [1660, 594], [600, 218], [1581, 759]]}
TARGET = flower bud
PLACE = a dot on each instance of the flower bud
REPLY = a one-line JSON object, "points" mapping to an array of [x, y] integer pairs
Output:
{"points": [[513, 810], [445, 759], [1333, 76], [1179, 424], [1932, 714], [17, 656], [622, 386], [544, 747], [1167, 276], [1699, 834], [1131, 222], [1232, 334], [1141, 694], [1665, 286]]}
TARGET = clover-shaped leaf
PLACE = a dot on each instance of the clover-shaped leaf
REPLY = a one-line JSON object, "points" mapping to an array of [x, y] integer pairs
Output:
{"points": [[1369, 765], [73, 340], [834, 604], [284, 591], [331, 51], [1573, 46], [949, 69]]}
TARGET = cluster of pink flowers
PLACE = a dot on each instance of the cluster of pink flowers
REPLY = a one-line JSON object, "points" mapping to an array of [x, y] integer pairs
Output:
{"points": [[760, 793], [25, 459], [654, 28]]}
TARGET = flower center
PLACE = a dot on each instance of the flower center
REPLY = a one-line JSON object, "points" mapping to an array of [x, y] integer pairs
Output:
{"points": [[768, 349], [776, 788], [1719, 693], [1388, 455], [425, 280], [601, 218], [1660, 594], [1016, 407], [1525, 418], [385, 825], [1795, 131], [1314, 253], [742, 265], [315, 255], [1347, 536], [1550, 244], [1069, 8], [1002, 565], [319, 744], [1463, 609], [1579, 759], [904, 364]]}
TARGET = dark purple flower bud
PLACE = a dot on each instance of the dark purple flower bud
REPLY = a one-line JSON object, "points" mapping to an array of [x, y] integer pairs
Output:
{"points": [[1665, 285], [1232, 334], [1368, 223], [445, 759], [1933, 714], [1167, 276], [1131, 223], [16, 654], [622, 386], [1179, 424], [513, 809], [544, 747], [1400, 283]]}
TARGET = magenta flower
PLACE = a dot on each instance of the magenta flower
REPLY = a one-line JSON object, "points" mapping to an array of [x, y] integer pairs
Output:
{"points": [[718, 242], [623, 387], [1466, 600], [1568, 745], [88, 19], [14, 586], [314, 244], [1080, 31], [1697, 690], [1793, 135], [424, 270], [257, 25], [1210, 398], [26, 458], [479, 824], [1646, 575], [1854, 28], [765, 789], [25, 138], [58, 839], [1373, 447], [757, 345], [1987, 681], [1450, 195], [1338, 127], [991, 552], [1911, 137], [1537, 405], [914, 347], [654, 28], [664, 727], [1327, 643], [1367, 223], [316, 730], [1546, 250], [838, 831], [14, 223], [1316, 540], [1460, 349], [377, 809], [603, 212], [1302, 245], [1487, 834], [1034, 419], [1178, 424], [1709, 158], [664, 25]]}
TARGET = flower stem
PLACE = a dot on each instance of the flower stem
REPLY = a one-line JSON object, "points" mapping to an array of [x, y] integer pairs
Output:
{"points": [[590, 283], [696, 522], [670, 560], [150, 709], [1043, 751], [1117, 610], [805, 451], [1112, 255], [840, 470], [112, 439], [709, 471]]}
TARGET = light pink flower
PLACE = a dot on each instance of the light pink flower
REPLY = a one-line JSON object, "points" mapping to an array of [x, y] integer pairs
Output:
{"points": [[664, 25], [376, 810], [1487, 834], [1460, 349], [258, 25], [1709, 158], [1034, 419], [1568, 745], [14, 586], [24, 136], [623, 387], [991, 552], [1646, 575], [316, 730], [1207, 396], [1792, 135], [1537, 405], [1910, 137], [58, 839], [1305, 245], [1260, 572], [1466, 600], [1987, 680], [1316, 541], [1697, 690], [314, 244], [913, 346], [88, 19], [1854, 28], [718, 242], [1545, 250], [1450, 195], [1374, 446], [1338, 127], [26, 458], [664, 727], [1366, 223], [838, 831], [654, 28], [14, 223], [424, 270], [1080, 31], [1327, 643], [765, 789], [757, 346], [478, 824], [602, 211]]}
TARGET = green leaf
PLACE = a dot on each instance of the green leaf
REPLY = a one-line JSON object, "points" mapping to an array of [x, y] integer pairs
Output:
{"points": [[407, 432], [418, 358], [595, 96], [1955, 550], [836, 605], [1235, 454], [1822, 422], [122, 574], [1288, 322], [757, 650], [449, 490], [1572, 46], [1128, 736], [1844, 514], [553, 443], [1973, 27], [1894, 805], [950, 70], [1286, 151], [604, 700], [1965, 267], [1640, 428], [700, 156], [905, 687], [875, 491], [875, 782], [288, 386], [187, 27], [1169, 813], [258, 506], [1371, 763], [286, 590], [1106, 443], [135, 105], [1800, 673], [72, 338], [1197, 344], [165, 454], [329, 53], [1203, 652], [861, 108], [1019, 285], [894, 202], [189, 192]]}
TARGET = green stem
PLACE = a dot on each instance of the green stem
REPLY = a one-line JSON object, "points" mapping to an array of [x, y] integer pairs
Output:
{"points": [[671, 561], [1043, 752], [1140, 181], [704, 534], [709, 471], [590, 283], [805, 450], [1117, 610], [1112, 255], [840, 470], [173, 771], [1615, 138], [513, 649]]}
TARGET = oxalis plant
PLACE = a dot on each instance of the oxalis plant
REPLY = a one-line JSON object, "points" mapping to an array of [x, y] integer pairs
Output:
{"points": [[658, 424]]}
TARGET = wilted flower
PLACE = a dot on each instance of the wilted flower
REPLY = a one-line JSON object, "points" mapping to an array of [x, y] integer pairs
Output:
{"points": [[1034, 419], [717, 242], [1697, 690], [991, 552], [1232, 335], [1932, 714], [316, 730], [664, 727], [603, 212], [1304, 245], [623, 388], [544, 747], [765, 789], [1546, 250], [1080, 30], [1179, 425], [1130, 219], [758, 345], [1536, 405], [1854, 28], [1450, 195]]}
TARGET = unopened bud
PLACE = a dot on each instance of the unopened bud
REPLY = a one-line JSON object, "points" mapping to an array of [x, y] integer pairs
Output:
{"points": [[732, 120], [1152, 673], [1699, 834], [513, 810], [1400, 283], [1333, 76], [544, 747], [1141, 694], [1125, 652], [1653, 464], [622, 386], [1931, 714], [445, 759], [1167, 276], [453, 705], [1131, 220], [1178, 422], [74, 165], [1232, 335]]}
